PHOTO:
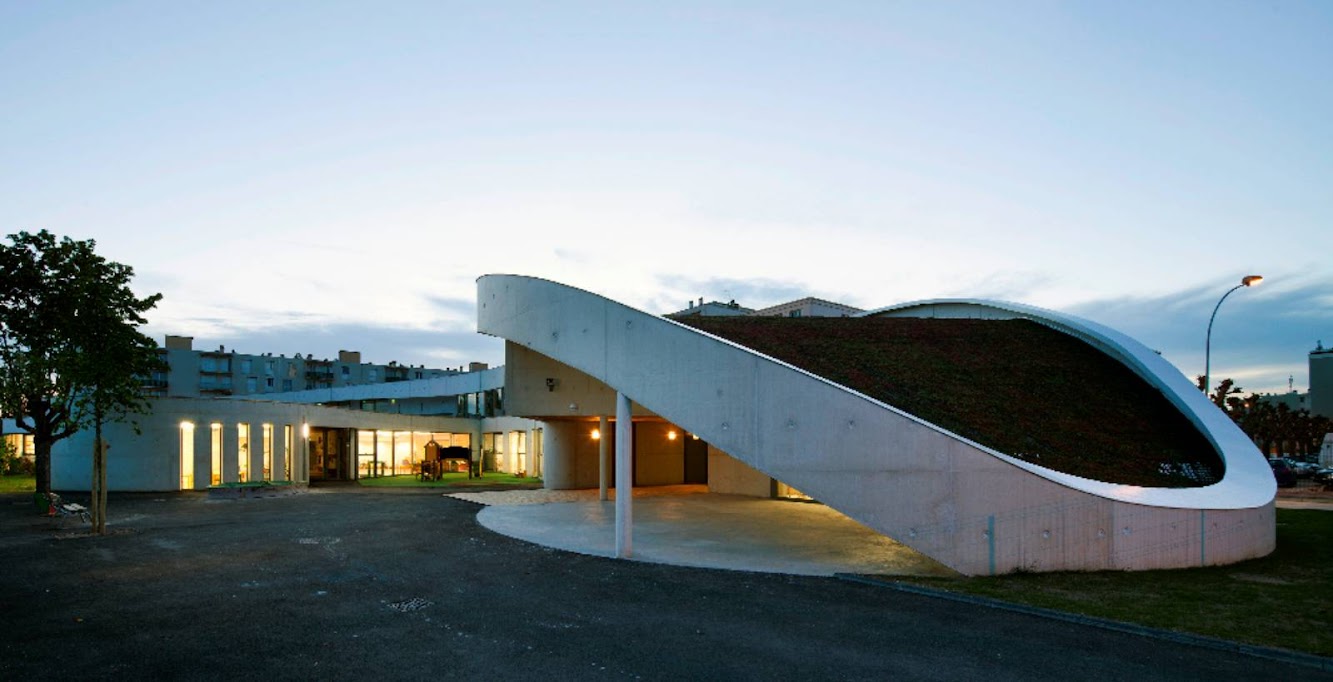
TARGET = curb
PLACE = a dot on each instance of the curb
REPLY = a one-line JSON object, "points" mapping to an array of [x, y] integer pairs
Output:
{"points": [[1269, 653]]}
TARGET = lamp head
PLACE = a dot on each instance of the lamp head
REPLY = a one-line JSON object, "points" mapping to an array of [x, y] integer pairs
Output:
{"points": [[1252, 280]]}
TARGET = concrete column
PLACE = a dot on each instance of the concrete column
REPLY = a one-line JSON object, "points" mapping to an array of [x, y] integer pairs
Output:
{"points": [[534, 462], [560, 465], [279, 453], [203, 456], [230, 454], [603, 457], [624, 478], [476, 446], [303, 449]]}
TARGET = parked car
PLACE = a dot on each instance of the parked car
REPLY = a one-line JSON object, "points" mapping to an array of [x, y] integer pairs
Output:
{"points": [[1282, 471], [1305, 469], [1324, 476]]}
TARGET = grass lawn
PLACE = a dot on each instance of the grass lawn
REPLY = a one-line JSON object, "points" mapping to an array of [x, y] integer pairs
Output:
{"points": [[450, 480], [17, 484], [1282, 600]]}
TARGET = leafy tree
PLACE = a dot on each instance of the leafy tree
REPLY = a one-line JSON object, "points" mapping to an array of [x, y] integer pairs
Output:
{"points": [[1226, 391], [1274, 427], [109, 357], [71, 354]]}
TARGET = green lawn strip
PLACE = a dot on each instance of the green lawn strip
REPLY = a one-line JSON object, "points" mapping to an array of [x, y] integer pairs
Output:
{"points": [[17, 484], [449, 480], [1281, 600], [253, 484]]}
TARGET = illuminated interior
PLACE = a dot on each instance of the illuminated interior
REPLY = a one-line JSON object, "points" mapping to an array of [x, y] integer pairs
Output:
{"points": [[786, 492], [268, 451], [289, 444], [215, 442], [518, 452], [242, 452], [22, 443], [187, 456], [399, 453]]}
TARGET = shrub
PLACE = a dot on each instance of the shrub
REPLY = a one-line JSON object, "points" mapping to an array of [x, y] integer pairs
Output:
{"points": [[12, 463]]}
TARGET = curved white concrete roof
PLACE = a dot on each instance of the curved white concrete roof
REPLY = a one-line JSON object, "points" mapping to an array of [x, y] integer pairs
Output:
{"points": [[1247, 480]]}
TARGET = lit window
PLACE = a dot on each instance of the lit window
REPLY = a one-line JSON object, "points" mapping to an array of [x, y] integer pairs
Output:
{"points": [[187, 456], [243, 452], [215, 441], [268, 452], [289, 444]]}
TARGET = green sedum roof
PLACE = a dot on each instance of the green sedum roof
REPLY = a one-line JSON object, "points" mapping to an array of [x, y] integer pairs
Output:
{"points": [[1012, 385]]}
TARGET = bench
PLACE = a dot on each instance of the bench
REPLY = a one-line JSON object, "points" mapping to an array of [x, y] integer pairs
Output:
{"points": [[59, 509]]}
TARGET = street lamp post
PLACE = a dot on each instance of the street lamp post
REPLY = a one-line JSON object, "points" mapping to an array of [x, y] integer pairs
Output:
{"points": [[1247, 281]]}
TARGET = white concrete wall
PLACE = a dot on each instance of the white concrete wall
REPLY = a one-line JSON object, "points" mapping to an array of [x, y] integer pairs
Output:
{"points": [[730, 476], [571, 455], [968, 506], [658, 460], [575, 394]]}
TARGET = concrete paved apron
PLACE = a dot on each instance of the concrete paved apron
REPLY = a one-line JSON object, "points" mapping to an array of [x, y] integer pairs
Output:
{"points": [[683, 526]]}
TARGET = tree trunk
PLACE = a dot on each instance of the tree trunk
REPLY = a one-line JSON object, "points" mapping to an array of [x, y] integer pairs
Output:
{"points": [[97, 505], [101, 483], [92, 487], [42, 464]]}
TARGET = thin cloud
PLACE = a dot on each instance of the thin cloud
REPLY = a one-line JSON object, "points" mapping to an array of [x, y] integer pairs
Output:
{"points": [[751, 293], [1264, 334], [1002, 286], [453, 307]]}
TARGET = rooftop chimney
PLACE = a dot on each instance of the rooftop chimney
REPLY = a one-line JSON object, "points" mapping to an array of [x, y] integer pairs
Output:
{"points": [[179, 342]]}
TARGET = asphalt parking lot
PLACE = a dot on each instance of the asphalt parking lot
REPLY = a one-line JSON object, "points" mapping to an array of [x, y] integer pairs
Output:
{"points": [[348, 584]]}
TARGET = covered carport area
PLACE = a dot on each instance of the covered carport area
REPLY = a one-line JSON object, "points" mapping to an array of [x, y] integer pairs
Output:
{"points": [[693, 504]]}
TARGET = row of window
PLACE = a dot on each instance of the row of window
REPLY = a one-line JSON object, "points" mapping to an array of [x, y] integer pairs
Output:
{"points": [[241, 452], [21, 443], [484, 404], [222, 365], [398, 453], [509, 452]]}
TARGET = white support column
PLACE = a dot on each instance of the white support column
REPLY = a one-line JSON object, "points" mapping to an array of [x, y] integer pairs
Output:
{"points": [[533, 456], [624, 478], [603, 457]]}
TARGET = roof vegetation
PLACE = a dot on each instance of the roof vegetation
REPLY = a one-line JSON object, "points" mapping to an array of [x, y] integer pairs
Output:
{"points": [[1012, 385]]}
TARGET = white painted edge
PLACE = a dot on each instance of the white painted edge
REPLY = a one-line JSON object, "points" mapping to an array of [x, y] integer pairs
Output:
{"points": [[1247, 481]]}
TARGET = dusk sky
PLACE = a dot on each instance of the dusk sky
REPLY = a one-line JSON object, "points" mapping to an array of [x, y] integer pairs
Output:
{"points": [[316, 176]]}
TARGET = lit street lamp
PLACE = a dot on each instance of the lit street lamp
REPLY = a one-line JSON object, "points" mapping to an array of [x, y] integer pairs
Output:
{"points": [[1247, 281]]}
